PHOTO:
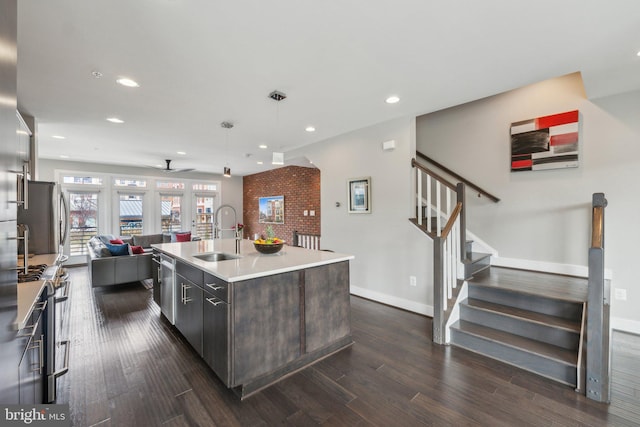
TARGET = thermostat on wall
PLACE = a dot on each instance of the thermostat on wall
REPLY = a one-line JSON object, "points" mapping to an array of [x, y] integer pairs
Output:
{"points": [[389, 145]]}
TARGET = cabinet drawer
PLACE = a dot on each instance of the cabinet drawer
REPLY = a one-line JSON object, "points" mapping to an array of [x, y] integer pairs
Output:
{"points": [[216, 286], [192, 273]]}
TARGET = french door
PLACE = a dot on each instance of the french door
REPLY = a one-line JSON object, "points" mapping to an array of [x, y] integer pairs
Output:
{"points": [[82, 222], [205, 206], [171, 208]]}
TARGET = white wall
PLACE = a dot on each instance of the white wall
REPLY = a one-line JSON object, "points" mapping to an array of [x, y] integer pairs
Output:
{"points": [[387, 247], [545, 216]]}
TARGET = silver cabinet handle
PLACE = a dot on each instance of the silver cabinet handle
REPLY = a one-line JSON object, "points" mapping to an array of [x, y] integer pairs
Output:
{"points": [[214, 286], [159, 274], [186, 298], [25, 187], [215, 301], [65, 369], [37, 344], [65, 295]]}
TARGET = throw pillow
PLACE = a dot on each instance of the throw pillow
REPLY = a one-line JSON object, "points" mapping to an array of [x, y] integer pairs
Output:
{"points": [[116, 242], [183, 237], [135, 250], [118, 250]]}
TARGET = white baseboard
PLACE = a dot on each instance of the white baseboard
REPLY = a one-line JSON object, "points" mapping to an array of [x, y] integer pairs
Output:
{"points": [[625, 325], [402, 303], [546, 267]]}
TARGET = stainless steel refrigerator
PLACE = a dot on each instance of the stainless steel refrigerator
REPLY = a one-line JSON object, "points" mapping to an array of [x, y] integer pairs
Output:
{"points": [[46, 218], [10, 345]]}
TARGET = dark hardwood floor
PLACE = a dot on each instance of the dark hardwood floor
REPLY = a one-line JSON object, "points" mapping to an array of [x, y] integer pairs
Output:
{"points": [[128, 367]]}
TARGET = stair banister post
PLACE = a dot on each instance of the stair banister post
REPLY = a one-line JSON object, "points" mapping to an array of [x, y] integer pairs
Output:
{"points": [[598, 311], [461, 194], [438, 291]]}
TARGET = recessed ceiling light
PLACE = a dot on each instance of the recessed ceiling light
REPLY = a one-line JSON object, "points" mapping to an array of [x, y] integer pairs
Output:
{"points": [[638, 53], [260, 163], [124, 81], [57, 137], [96, 74], [62, 156], [182, 153], [263, 146], [115, 120], [392, 100], [310, 129]]}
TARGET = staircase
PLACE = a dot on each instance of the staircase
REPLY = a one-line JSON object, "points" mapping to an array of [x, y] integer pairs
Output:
{"points": [[535, 321], [534, 328]]}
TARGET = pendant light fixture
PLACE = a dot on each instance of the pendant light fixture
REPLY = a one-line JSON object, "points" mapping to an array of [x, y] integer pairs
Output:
{"points": [[277, 157], [227, 126]]}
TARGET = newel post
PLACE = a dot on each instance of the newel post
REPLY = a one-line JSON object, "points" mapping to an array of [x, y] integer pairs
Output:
{"points": [[598, 306]]}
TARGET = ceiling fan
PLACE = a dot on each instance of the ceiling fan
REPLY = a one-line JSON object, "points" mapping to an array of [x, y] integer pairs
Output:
{"points": [[169, 169]]}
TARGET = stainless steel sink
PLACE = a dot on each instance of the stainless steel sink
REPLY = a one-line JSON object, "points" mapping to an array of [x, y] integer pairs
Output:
{"points": [[216, 256]]}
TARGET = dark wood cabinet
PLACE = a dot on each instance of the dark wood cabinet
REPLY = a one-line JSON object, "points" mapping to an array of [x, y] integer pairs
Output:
{"points": [[266, 324], [156, 276], [31, 367], [215, 335], [253, 332], [189, 311], [327, 305]]}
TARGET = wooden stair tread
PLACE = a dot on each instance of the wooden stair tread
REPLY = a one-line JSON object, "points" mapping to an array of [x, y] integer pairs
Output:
{"points": [[565, 288], [515, 341], [532, 316]]}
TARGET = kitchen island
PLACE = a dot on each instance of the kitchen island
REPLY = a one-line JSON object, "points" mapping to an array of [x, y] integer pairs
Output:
{"points": [[256, 318]]}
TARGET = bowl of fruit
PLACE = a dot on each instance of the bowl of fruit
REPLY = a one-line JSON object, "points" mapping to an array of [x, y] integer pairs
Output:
{"points": [[269, 244]]}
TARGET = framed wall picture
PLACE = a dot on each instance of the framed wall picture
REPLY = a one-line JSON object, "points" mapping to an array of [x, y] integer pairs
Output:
{"points": [[359, 195], [271, 210], [548, 142]]}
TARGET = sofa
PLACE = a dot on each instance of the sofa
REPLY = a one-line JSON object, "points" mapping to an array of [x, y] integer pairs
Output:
{"points": [[106, 269]]}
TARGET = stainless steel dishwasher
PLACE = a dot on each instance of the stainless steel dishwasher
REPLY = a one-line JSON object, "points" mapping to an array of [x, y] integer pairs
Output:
{"points": [[167, 286]]}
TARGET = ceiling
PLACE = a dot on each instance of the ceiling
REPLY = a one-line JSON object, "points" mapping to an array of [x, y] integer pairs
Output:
{"points": [[202, 62]]}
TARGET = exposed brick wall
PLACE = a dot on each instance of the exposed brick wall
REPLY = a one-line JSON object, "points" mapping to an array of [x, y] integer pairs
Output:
{"points": [[300, 187]]}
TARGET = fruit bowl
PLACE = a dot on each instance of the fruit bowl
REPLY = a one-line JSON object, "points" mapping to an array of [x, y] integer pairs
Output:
{"points": [[268, 248]]}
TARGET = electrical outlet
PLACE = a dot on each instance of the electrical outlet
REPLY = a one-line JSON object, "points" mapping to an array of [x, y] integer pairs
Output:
{"points": [[620, 294], [412, 281]]}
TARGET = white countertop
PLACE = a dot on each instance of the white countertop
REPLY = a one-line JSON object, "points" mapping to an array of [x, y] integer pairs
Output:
{"points": [[251, 263], [28, 293]]}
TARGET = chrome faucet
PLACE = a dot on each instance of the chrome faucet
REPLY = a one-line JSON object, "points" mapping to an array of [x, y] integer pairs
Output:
{"points": [[217, 226]]}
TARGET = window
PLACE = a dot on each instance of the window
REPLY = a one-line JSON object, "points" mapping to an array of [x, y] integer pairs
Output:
{"points": [[171, 212], [83, 220], [121, 182], [205, 208], [130, 220], [204, 187], [82, 180], [168, 185]]}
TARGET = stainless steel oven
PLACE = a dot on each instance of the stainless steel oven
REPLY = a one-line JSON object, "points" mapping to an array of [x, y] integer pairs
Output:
{"points": [[57, 331]]}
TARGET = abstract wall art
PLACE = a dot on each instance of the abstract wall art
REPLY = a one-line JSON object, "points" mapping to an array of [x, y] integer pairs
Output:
{"points": [[549, 142]]}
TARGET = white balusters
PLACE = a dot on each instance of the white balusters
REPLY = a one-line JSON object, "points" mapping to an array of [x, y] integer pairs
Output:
{"points": [[419, 195], [429, 204]]}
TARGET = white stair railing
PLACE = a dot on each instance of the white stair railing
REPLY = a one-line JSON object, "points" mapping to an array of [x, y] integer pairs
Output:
{"points": [[435, 206]]}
